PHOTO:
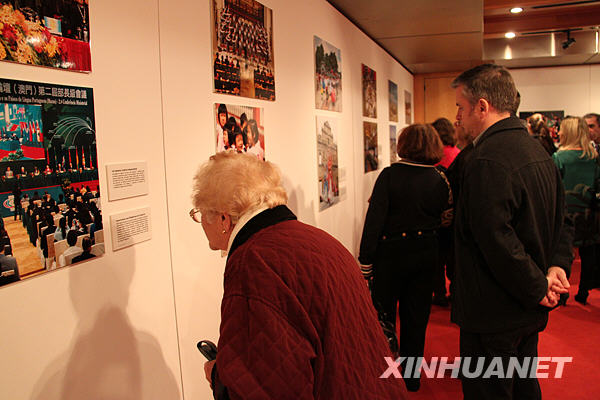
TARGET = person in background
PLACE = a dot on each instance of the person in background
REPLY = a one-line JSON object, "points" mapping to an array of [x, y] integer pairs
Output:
{"points": [[593, 123], [86, 244], [48, 230], [577, 161], [61, 231], [254, 145], [447, 134], [399, 245], [536, 126], [296, 317], [9, 270], [445, 265], [222, 117], [17, 200], [71, 250]]}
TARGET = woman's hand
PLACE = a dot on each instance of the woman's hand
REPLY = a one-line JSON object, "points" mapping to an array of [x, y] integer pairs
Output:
{"points": [[208, 367]]}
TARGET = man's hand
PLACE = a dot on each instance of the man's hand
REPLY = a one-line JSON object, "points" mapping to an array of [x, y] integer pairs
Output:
{"points": [[557, 273], [557, 284], [208, 367]]}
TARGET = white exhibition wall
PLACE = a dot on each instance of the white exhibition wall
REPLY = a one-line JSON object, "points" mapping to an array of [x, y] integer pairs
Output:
{"points": [[290, 142], [125, 326], [574, 89]]}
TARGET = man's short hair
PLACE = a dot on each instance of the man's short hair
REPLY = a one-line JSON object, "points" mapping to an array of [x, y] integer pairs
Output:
{"points": [[72, 238], [86, 243], [490, 82], [592, 115]]}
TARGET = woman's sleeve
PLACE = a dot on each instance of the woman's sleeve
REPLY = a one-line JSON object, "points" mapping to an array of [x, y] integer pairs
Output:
{"points": [[377, 214], [261, 354]]}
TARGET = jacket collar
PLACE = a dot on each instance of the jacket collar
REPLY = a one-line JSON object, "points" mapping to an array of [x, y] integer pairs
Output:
{"points": [[510, 123], [263, 220]]}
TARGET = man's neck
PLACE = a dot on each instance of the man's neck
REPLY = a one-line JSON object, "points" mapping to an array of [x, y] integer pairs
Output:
{"points": [[491, 120]]}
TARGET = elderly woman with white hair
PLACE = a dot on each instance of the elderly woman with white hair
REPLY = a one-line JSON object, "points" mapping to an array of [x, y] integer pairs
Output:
{"points": [[296, 317]]}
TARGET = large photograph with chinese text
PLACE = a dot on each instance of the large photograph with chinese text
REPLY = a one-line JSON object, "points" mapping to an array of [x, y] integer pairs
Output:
{"points": [[50, 33], [50, 201], [242, 46]]}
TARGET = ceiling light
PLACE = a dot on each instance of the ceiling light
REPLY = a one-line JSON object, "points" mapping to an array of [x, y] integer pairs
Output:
{"points": [[516, 10], [509, 35], [567, 43]]}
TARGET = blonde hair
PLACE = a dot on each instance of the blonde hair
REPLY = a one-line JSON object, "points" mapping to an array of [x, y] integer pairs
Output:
{"points": [[234, 183], [575, 133]]}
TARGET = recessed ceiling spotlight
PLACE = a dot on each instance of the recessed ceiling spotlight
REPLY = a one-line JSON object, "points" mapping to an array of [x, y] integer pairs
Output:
{"points": [[509, 35], [516, 10]]}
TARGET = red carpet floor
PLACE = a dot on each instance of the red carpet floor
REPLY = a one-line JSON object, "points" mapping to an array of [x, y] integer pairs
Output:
{"points": [[573, 331]]}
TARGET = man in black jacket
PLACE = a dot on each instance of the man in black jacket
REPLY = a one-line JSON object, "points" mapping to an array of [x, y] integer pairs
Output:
{"points": [[513, 250]]}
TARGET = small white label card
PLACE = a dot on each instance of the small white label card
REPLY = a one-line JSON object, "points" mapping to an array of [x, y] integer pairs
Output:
{"points": [[130, 227], [127, 180]]}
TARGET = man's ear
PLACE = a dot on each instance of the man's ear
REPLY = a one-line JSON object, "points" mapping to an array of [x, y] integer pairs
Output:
{"points": [[483, 106]]}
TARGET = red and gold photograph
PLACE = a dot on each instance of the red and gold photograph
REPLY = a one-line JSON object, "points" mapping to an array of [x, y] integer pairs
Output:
{"points": [[52, 33]]}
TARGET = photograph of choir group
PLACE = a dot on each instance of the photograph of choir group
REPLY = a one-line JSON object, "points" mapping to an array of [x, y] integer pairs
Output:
{"points": [[327, 162], [52, 33], [239, 128], [243, 63], [393, 152], [328, 76], [407, 107], [393, 100], [369, 92], [370, 149]]}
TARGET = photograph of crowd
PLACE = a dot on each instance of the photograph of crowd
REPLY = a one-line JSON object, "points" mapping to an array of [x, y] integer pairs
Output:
{"points": [[243, 49], [52, 33], [239, 128], [393, 152], [327, 162], [393, 100], [328, 76], [50, 202], [407, 107], [370, 149]]}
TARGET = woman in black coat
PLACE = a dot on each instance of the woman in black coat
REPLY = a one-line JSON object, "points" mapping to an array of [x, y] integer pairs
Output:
{"points": [[399, 246]]}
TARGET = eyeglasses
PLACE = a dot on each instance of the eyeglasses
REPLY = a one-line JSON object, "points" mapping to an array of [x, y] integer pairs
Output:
{"points": [[196, 215]]}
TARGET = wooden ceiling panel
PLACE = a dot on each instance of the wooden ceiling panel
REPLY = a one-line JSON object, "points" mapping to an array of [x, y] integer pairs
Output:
{"points": [[551, 19]]}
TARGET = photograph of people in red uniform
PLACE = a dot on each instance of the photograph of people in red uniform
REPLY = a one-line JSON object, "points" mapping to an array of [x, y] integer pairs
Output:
{"points": [[328, 76], [327, 162]]}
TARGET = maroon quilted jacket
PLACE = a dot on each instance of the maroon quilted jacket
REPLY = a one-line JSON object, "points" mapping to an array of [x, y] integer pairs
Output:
{"points": [[297, 318]]}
